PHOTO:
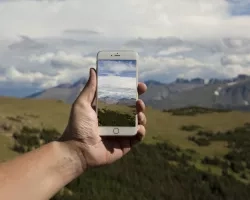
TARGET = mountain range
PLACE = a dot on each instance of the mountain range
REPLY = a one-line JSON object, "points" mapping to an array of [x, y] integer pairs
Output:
{"points": [[118, 101], [231, 93]]}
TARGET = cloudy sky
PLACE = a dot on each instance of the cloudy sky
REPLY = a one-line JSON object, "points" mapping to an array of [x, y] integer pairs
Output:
{"points": [[47, 42], [117, 79]]}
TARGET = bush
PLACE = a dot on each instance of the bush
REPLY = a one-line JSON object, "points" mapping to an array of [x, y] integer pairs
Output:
{"points": [[212, 161], [190, 127], [27, 130], [49, 135], [109, 117], [199, 141], [193, 110], [5, 127], [243, 176], [147, 166], [205, 133], [31, 138], [237, 167]]}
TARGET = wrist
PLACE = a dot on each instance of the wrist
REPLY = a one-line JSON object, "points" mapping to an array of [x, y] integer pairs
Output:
{"points": [[71, 162]]}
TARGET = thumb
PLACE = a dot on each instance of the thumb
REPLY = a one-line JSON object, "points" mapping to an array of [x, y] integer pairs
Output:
{"points": [[88, 93]]}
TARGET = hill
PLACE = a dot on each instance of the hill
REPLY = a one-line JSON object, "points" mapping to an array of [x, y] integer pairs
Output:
{"points": [[180, 152], [216, 93]]}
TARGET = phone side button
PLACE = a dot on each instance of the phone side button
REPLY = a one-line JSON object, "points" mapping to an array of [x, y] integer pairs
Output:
{"points": [[116, 131]]}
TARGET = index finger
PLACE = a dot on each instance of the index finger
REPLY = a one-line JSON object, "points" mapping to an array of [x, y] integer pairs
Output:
{"points": [[142, 88]]}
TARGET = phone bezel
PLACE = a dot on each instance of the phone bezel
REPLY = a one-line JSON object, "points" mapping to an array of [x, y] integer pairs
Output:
{"points": [[117, 55]]}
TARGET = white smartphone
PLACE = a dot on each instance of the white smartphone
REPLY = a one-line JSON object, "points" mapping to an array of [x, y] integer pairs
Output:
{"points": [[117, 80]]}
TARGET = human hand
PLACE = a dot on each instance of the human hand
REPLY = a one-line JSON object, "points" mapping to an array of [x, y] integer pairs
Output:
{"points": [[82, 129]]}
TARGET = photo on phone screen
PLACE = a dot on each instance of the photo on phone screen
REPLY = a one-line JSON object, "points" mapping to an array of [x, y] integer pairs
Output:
{"points": [[117, 92]]}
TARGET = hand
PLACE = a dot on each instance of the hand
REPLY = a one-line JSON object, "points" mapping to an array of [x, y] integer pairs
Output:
{"points": [[82, 129]]}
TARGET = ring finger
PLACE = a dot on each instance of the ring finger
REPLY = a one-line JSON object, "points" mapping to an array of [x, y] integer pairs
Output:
{"points": [[142, 120]]}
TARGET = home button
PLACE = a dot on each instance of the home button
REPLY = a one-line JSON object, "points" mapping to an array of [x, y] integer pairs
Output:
{"points": [[115, 130]]}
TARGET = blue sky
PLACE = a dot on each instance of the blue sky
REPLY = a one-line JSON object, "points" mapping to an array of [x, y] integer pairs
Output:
{"points": [[239, 7], [46, 43]]}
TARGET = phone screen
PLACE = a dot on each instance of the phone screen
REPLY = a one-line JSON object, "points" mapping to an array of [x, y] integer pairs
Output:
{"points": [[117, 93]]}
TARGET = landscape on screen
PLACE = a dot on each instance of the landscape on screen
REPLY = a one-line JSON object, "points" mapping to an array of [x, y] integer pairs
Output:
{"points": [[117, 90]]}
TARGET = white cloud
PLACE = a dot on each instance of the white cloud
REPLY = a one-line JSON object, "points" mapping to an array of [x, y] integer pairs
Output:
{"points": [[237, 59], [116, 67], [69, 68], [116, 86], [167, 69], [174, 38], [173, 50], [235, 70], [61, 59], [13, 75], [152, 18]]}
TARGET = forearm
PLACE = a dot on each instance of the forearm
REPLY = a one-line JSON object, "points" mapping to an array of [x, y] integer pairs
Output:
{"points": [[41, 173]]}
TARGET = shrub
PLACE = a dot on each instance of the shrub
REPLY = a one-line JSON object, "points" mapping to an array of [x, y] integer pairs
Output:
{"points": [[190, 127], [27, 130], [200, 141], [211, 161], [5, 127], [30, 138], [237, 167], [49, 135], [243, 176], [205, 133]]}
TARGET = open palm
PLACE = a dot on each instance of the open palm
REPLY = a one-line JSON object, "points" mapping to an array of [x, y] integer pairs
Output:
{"points": [[82, 128]]}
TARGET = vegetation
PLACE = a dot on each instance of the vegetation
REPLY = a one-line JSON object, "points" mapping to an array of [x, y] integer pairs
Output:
{"points": [[193, 156], [31, 138], [238, 157], [194, 110], [114, 118], [201, 141], [190, 127], [146, 173]]}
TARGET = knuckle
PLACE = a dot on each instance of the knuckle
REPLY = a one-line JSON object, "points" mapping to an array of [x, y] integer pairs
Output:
{"points": [[79, 105]]}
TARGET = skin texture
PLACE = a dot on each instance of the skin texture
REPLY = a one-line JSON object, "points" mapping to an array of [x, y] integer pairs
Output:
{"points": [[41, 173]]}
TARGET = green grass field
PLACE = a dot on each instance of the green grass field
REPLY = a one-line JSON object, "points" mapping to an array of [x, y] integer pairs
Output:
{"points": [[207, 141], [161, 125], [118, 115]]}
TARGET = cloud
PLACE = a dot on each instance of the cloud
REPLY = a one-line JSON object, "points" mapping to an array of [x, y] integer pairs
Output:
{"points": [[242, 60], [80, 32], [45, 43], [26, 43], [61, 60], [174, 50], [116, 87], [153, 18], [47, 70], [167, 69], [118, 68]]}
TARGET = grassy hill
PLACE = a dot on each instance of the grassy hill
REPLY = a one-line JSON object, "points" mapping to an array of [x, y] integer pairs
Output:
{"points": [[180, 152], [116, 115]]}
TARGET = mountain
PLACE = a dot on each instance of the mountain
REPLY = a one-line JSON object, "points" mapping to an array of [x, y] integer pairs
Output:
{"points": [[121, 101], [128, 102], [65, 92], [231, 93], [156, 91]]}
